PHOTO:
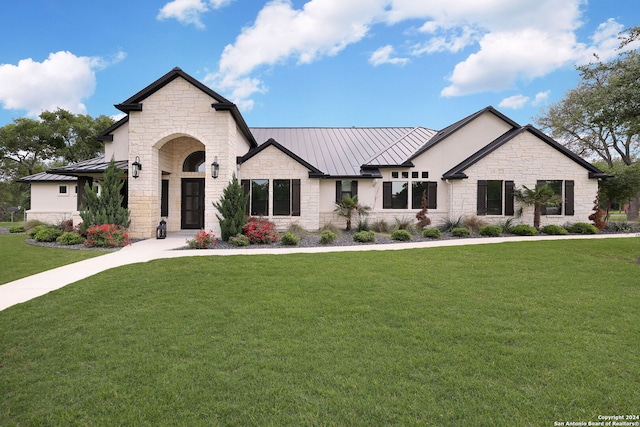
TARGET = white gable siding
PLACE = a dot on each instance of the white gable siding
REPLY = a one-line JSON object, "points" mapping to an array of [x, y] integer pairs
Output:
{"points": [[49, 205], [525, 160], [119, 147]]}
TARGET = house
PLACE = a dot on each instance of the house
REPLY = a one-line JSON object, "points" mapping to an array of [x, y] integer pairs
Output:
{"points": [[180, 144]]}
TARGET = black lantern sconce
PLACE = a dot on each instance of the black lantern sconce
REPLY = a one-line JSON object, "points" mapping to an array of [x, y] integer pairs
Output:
{"points": [[136, 167], [215, 168]]}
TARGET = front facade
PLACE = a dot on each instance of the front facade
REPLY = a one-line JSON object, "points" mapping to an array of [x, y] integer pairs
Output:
{"points": [[185, 143]]}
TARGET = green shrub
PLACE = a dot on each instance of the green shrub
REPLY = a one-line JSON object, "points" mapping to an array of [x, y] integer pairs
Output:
{"points": [[431, 233], [619, 227], [32, 223], [289, 239], [582, 228], [404, 224], [449, 224], [327, 236], [490, 231], [523, 230], [297, 229], [364, 236], [70, 238], [332, 228], [554, 230], [106, 236], [401, 235], [239, 240], [46, 233], [16, 229], [380, 226], [461, 232], [363, 225]]}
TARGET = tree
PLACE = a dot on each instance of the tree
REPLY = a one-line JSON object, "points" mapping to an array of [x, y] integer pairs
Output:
{"points": [[25, 147], [105, 208], [232, 208], [349, 206], [622, 187], [538, 197]]}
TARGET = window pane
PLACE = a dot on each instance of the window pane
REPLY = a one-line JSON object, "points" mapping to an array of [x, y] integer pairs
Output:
{"points": [[260, 197], [399, 195], [281, 197], [194, 162], [494, 197], [346, 189], [556, 186], [417, 188]]}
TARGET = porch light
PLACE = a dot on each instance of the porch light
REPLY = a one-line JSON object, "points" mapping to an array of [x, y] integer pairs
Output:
{"points": [[136, 167], [215, 168]]}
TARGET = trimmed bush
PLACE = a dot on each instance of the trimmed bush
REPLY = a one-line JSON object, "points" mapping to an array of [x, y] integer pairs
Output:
{"points": [[260, 231], [327, 236], [523, 230], [553, 230], [239, 240], [401, 235], [16, 229], [46, 233], [432, 233], [461, 232], [289, 239], [70, 238], [202, 240], [582, 228], [107, 236], [364, 236], [490, 231]]}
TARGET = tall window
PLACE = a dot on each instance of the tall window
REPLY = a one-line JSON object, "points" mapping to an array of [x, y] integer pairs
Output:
{"points": [[259, 198], [395, 195], [286, 197], [418, 188], [346, 188], [567, 202], [493, 196]]}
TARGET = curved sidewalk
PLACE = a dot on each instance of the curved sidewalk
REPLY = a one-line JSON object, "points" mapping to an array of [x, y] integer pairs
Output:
{"points": [[30, 287]]}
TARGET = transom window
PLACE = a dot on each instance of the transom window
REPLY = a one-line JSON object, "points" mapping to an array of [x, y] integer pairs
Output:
{"points": [[194, 162]]}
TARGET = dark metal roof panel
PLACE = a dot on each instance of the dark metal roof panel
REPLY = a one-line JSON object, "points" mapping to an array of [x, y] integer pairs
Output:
{"points": [[47, 177], [97, 165]]}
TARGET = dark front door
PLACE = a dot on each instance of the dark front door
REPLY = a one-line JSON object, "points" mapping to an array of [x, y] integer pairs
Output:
{"points": [[192, 203]]}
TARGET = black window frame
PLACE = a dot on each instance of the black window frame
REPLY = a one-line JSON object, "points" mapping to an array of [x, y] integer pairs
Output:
{"points": [[346, 187], [418, 187]]}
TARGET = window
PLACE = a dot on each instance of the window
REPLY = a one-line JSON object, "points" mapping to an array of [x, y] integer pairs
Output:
{"points": [[346, 188], [62, 189], [493, 195], [567, 202], [394, 174], [395, 195], [194, 162], [425, 175], [414, 175], [405, 175], [286, 197], [164, 198], [259, 198], [419, 187]]}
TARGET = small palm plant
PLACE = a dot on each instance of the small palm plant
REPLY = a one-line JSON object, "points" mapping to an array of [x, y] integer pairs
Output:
{"points": [[538, 197], [349, 206]]}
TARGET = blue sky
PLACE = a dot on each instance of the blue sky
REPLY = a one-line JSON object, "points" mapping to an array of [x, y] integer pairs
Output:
{"points": [[308, 63]]}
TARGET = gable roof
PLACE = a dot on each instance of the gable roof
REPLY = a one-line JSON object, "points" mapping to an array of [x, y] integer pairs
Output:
{"points": [[106, 134], [457, 172], [349, 152], [313, 171], [222, 104], [47, 177]]}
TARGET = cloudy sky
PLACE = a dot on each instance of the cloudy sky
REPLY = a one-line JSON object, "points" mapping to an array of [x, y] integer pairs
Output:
{"points": [[308, 63]]}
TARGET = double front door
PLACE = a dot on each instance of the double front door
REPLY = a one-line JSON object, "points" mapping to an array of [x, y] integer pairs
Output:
{"points": [[192, 212]]}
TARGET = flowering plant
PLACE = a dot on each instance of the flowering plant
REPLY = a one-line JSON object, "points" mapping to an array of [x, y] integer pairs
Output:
{"points": [[107, 236], [202, 240], [259, 230]]}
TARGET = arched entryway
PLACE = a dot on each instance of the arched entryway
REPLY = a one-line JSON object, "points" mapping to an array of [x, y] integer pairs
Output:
{"points": [[192, 204]]}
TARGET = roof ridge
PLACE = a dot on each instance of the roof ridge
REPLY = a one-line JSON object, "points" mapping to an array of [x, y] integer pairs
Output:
{"points": [[396, 142]]}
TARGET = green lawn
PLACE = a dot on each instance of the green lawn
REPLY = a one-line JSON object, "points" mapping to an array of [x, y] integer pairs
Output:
{"points": [[18, 259], [522, 334]]}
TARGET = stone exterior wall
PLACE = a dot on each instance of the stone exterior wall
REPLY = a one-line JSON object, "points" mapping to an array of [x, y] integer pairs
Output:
{"points": [[271, 163]]}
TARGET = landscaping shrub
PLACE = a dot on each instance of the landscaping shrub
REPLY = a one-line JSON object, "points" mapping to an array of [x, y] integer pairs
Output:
{"points": [[46, 233], [239, 240], [259, 230], [554, 230], [105, 208], [202, 240], [327, 236], [401, 235], [582, 228], [16, 229], [461, 232], [297, 229], [107, 236], [403, 224], [473, 223], [332, 228], [490, 231], [289, 239], [523, 230], [33, 223], [431, 233], [506, 224], [380, 226], [619, 227], [66, 226], [364, 236], [449, 224], [70, 238], [363, 225], [231, 208]]}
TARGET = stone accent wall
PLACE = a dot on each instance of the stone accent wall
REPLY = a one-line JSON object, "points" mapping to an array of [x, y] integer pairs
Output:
{"points": [[272, 164]]}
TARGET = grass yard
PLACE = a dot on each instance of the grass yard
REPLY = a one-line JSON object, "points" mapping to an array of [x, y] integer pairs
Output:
{"points": [[523, 334], [18, 259]]}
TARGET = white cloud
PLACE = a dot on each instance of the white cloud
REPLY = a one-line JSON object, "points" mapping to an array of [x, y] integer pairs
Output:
{"points": [[384, 56], [541, 97], [188, 12], [514, 102], [63, 80]]}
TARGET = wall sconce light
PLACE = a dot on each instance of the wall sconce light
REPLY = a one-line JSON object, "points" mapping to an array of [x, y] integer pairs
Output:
{"points": [[215, 168], [136, 167]]}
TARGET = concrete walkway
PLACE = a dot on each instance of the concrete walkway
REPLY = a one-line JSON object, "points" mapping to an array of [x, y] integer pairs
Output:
{"points": [[34, 286]]}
